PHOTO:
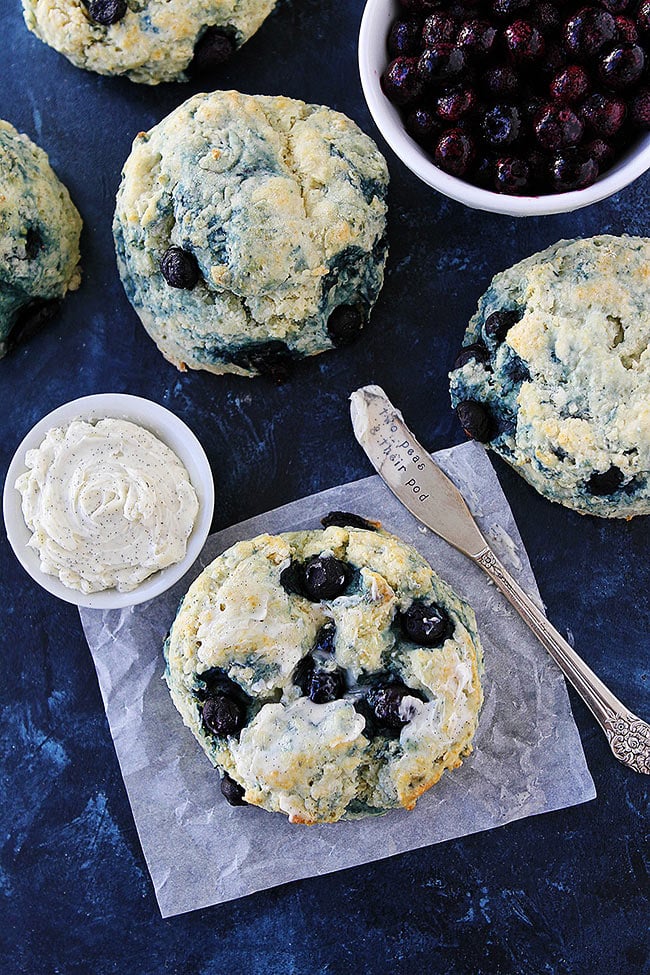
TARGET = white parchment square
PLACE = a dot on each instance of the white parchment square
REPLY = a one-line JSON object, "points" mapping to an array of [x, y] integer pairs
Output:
{"points": [[528, 758]]}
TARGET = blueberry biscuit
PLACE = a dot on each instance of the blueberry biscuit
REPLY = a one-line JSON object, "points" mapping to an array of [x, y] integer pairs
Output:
{"points": [[555, 373], [39, 239], [327, 674], [250, 231], [149, 41]]}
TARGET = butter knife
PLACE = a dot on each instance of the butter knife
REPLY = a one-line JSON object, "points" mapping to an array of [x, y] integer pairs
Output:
{"points": [[414, 478]]}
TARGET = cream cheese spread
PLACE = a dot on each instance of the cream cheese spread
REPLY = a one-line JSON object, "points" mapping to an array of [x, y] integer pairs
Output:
{"points": [[108, 504]]}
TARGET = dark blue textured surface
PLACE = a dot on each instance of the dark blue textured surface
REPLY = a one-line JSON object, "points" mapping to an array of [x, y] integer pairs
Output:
{"points": [[563, 894]]}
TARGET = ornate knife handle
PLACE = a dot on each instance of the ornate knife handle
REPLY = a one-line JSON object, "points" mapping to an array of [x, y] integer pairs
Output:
{"points": [[627, 734]]}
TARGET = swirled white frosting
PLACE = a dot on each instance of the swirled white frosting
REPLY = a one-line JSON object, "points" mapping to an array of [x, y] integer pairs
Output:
{"points": [[108, 504]]}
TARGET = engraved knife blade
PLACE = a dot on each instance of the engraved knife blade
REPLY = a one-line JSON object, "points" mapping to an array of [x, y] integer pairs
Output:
{"points": [[407, 469], [417, 481]]}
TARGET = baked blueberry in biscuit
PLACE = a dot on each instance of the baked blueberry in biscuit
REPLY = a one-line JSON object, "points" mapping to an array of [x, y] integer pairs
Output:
{"points": [[342, 699], [554, 373], [39, 239], [250, 232]]}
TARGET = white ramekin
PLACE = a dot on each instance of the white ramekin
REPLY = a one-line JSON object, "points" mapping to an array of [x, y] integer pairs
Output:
{"points": [[164, 425], [373, 58]]}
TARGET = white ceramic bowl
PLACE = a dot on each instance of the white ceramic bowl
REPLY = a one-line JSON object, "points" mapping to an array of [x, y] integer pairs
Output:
{"points": [[164, 425], [373, 58]]}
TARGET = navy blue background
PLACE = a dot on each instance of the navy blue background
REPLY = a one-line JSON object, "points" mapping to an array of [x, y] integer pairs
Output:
{"points": [[562, 893]]}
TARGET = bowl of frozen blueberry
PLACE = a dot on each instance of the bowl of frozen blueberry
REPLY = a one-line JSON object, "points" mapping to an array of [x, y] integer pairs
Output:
{"points": [[513, 106]]}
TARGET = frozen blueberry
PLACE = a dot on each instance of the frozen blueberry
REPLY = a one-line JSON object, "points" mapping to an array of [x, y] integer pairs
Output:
{"points": [[404, 38], [498, 324], [475, 420], [222, 715], [346, 519], [626, 30], [573, 169], [401, 81], [603, 114], [455, 103], [640, 109], [426, 624], [106, 12], [500, 125], [501, 81], [477, 352], [571, 84], [524, 42], [441, 62], [213, 48], [232, 791], [454, 151], [344, 324], [622, 66], [439, 28], [558, 126], [589, 30], [477, 37], [180, 268], [511, 175], [422, 123], [605, 483], [325, 577], [601, 152]]}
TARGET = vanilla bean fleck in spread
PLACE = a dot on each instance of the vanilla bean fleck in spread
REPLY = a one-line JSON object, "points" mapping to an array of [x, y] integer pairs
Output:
{"points": [[108, 504]]}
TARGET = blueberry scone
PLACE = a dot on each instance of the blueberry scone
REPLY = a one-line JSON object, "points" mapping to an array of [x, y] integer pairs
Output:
{"points": [[250, 231], [149, 41], [39, 239], [326, 673], [554, 374]]}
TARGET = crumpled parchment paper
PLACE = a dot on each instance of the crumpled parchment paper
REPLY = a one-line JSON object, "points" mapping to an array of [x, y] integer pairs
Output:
{"points": [[528, 758]]}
